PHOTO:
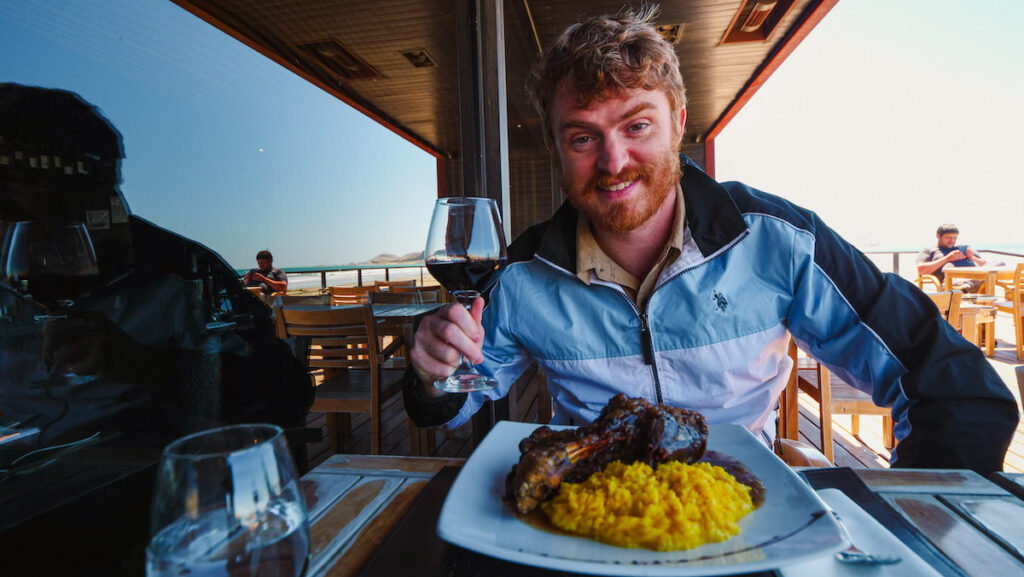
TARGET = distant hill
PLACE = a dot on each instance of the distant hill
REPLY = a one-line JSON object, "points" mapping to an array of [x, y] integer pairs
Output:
{"points": [[386, 258]]}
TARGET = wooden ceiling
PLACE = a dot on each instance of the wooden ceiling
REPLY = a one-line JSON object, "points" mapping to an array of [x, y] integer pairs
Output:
{"points": [[421, 103]]}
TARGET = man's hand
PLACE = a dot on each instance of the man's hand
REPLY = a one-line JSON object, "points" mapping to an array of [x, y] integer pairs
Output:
{"points": [[955, 256], [443, 338]]}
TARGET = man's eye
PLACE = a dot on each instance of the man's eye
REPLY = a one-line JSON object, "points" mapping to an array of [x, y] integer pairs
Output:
{"points": [[637, 127], [580, 140]]}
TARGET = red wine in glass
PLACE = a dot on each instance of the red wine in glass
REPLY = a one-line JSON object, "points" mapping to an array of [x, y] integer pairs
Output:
{"points": [[465, 250], [466, 278]]}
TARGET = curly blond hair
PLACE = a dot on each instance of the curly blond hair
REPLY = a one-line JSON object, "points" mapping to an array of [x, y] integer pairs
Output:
{"points": [[605, 55]]}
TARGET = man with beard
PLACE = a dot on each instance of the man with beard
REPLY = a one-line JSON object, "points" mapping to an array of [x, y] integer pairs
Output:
{"points": [[658, 282]]}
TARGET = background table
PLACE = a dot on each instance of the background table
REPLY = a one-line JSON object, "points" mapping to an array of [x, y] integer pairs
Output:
{"points": [[979, 316], [989, 274]]}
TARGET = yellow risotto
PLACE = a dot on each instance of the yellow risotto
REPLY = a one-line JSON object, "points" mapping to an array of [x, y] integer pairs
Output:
{"points": [[677, 506]]}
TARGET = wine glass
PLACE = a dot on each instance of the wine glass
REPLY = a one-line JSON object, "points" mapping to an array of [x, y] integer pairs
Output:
{"points": [[227, 502], [51, 262], [465, 250]]}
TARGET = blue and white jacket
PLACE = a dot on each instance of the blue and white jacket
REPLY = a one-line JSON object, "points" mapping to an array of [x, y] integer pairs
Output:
{"points": [[713, 335]]}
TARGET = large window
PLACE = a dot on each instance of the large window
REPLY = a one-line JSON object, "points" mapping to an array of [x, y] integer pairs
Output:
{"points": [[222, 145]]}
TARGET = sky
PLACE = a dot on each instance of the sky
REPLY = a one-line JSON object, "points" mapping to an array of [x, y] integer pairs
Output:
{"points": [[893, 117], [222, 145], [890, 118]]}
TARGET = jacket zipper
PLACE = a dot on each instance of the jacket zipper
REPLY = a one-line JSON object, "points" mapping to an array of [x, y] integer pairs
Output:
{"points": [[647, 342], [646, 339]]}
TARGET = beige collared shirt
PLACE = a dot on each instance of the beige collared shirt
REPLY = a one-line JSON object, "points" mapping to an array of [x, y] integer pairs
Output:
{"points": [[592, 262]]}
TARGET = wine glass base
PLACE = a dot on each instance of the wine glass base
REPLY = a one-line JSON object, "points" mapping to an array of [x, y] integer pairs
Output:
{"points": [[466, 383]]}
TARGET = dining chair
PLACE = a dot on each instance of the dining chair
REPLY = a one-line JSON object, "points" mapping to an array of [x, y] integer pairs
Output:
{"points": [[394, 298], [283, 299], [948, 303], [428, 294], [931, 280], [834, 396], [1014, 305], [348, 295], [385, 285], [343, 343], [788, 446]]}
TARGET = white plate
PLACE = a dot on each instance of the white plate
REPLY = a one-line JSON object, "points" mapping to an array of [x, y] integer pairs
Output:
{"points": [[789, 527]]}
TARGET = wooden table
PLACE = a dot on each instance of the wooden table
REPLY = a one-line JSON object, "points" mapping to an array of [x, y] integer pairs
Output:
{"points": [[989, 274], [358, 500], [975, 316]]}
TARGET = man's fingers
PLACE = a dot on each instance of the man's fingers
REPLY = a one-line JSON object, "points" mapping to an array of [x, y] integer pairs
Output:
{"points": [[477, 310], [442, 338]]}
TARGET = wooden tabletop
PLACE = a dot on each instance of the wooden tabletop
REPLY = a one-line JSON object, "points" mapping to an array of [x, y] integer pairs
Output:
{"points": [[970, 522], [355, 500], [989, 274], [964, 515]]}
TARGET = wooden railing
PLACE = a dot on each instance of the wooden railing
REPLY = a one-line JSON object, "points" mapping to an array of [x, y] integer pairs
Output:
{"points": [[359, 269], [896, 256]]}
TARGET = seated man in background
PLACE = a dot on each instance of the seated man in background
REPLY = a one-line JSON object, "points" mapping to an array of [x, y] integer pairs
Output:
{"points": [[932, 260], [266, 276]]}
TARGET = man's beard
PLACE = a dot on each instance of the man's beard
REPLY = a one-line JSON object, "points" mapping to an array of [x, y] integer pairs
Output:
{"points": [[657, 179]]}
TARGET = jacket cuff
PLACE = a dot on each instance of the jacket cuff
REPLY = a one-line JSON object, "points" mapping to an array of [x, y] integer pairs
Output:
{"points": [[428, 412]]}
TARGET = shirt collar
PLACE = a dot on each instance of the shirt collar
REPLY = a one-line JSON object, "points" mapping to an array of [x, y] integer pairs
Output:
{"points": [[592, 262]]}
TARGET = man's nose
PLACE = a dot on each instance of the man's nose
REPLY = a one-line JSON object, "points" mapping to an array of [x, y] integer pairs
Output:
{"points": [[614, 155]]}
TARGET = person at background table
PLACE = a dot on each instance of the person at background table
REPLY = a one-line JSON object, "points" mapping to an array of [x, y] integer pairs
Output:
{"points": [[932, 260], [656, 281], [154, 370], [266, 276]]}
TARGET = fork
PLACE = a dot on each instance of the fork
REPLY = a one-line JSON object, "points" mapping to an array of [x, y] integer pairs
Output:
{"points": [[24, 463], [855, 556]]}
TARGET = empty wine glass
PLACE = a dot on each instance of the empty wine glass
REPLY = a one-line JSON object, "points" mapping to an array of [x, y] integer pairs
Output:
{"points": [[465, 250], [227, 502]]}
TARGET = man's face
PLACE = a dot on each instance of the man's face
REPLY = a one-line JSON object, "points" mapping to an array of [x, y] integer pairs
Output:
{"points": [[264, 263], [618, 156], [948, 240]]}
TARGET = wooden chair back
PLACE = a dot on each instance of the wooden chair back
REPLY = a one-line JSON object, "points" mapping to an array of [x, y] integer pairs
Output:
{"points": [[928, 282], [385, 285], [833, 397], [348, 295], [339, 338], [427, 294], [343, 342], [948, 303], [411, 298], [1014, 306], [284, 299]]}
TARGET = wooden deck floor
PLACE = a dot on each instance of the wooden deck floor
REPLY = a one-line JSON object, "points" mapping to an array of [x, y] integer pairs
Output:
{"points": [[864, 450]]}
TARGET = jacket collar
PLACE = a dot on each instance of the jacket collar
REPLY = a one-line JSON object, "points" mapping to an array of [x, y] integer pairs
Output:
{"points": [[713, 218]]}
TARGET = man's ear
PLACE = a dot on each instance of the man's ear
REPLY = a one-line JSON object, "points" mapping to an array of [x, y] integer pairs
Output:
{"points": [[682, 126]]}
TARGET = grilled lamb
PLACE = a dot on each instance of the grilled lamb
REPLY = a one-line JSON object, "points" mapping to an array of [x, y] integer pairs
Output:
{"points": [[627, 430]]}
